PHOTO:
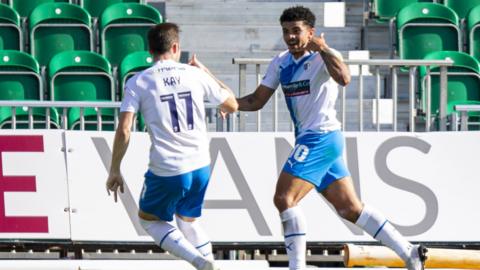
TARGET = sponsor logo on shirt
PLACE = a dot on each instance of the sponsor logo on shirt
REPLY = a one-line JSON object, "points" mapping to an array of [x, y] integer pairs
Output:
{"points": [[167, 69], [294, 89]]}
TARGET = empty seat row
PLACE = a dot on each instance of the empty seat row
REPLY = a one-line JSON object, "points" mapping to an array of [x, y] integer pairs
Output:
{"points": [[434, 31], [56, 27], [422, 28], [72, 76], [94, 7], [463, 86], [384, 10]]}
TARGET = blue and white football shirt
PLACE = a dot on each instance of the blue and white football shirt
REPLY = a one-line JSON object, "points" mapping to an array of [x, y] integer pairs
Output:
{"points": [[309, 91], [170, 96]]}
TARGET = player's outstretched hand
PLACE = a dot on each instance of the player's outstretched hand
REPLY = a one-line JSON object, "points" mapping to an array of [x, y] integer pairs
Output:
{"points": [[317, 43], [114, 183], [196, 63]]}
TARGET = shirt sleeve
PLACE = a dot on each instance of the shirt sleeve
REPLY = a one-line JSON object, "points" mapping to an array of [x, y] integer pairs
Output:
{"points": [[271, 78], [131, 100], [214, 93]]}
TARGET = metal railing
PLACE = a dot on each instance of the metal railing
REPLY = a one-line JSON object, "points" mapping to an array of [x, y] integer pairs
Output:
{"points": [[394, 67], [463, 110], [46, 118], [230, 124]]}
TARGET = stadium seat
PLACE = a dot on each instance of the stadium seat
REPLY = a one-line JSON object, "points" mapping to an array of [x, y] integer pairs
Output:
{"points": [[24, 7], [463, 81], [20, 80], [96, 7], [123, 29], [11, 37], [130, 65], [57, 27], [426, 27], [82, 76], [473, 28], [461, 7], [384, 10]]}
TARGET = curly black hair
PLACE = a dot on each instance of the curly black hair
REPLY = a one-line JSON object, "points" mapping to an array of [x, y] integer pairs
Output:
{"points": [[298, 13]]}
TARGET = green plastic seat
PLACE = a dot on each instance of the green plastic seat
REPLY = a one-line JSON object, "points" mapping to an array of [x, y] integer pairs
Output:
{"points": [[82, 76], [20, 80], [473, 28], [426, 27], [123, 29], [463, 81], [132, 64], [10, 29], [58, 27], [96, 7], [461, 7], [384, 10], [24, 7]]}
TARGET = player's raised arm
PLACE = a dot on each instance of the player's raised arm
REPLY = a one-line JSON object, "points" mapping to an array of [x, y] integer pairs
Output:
{"points": [[333, 60], [230, 105]]}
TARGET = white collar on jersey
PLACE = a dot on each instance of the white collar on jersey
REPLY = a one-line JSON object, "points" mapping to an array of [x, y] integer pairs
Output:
{"points": [[306, 54]]}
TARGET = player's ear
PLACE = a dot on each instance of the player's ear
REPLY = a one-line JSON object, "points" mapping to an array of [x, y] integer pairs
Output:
{"points": [[312, 32], [175, 48]]}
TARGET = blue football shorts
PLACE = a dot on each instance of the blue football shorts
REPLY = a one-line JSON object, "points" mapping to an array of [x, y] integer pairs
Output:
{"points": [[181, 194], [317, 158]]}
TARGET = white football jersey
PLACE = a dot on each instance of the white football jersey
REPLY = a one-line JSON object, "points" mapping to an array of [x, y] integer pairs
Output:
{"points": [[170, 96], [310, 92]]}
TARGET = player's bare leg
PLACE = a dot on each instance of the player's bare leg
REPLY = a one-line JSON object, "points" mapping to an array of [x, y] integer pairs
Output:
{"points": [[341, 194], [290, 190]]}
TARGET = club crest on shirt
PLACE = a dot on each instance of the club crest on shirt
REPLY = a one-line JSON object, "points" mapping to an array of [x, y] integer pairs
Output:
{"points": [[298, 88], [306, 66]]}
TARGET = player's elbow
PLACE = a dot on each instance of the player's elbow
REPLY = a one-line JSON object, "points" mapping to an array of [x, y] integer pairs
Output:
{"points": [[344, 79], [123, 131]]}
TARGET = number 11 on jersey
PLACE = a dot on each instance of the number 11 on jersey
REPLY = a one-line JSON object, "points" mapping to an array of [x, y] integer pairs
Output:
{"points": [[172, 105]]}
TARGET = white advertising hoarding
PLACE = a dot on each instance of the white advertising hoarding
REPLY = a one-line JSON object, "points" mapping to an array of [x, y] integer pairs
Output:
{"points": [[95, 215], [33, 186], [425, 183]]}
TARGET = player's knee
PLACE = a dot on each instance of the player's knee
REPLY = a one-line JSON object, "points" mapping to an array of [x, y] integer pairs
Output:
{"points": [[146, 224], [283, 202], [350, 212]]}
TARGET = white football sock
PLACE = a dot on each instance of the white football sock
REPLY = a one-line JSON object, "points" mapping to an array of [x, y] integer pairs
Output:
{"points": [[294, 227], [375, 224], [197, 236], [170, 239]]}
